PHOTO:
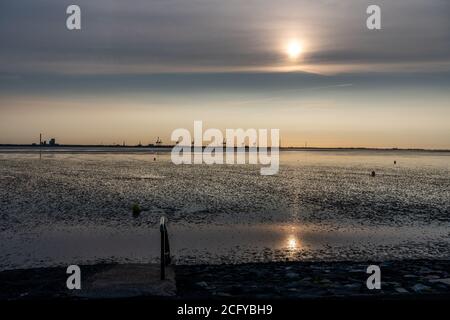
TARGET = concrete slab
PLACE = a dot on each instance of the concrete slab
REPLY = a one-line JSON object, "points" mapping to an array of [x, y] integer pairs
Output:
{"points": [[128, 280]]}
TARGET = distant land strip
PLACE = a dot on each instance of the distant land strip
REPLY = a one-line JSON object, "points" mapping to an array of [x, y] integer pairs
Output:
{"points": [[166, 147]]}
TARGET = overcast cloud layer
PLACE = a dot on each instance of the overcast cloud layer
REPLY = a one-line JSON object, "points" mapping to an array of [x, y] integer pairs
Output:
{"points": [[143, 36]]}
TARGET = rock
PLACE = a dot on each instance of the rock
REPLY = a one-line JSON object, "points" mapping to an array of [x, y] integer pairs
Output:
{"points": [[325, 281], [394, 284], [444, 281], [295, 284], [352, 286], [420, 287], [292, 275], [401, 290], [202, 284], [222, 294]]}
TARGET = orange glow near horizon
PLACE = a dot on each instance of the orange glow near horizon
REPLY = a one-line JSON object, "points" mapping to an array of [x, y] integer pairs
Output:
{"points": [[330, 116]]}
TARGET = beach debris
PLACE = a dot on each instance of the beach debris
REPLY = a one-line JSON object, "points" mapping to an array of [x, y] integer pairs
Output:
{"points": [[136, 210], [373, 174], [395, 161]]}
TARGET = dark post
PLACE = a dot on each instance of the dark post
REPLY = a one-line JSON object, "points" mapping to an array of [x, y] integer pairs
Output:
{"points": [[40, 146], [165, 249], [163, 240], [162, 227]]}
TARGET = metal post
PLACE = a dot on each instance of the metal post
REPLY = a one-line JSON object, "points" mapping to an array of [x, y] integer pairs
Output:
{"points": [[162, 229]]}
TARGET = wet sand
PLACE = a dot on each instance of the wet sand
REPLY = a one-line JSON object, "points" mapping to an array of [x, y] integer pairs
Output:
{"points": [[75, 208]]}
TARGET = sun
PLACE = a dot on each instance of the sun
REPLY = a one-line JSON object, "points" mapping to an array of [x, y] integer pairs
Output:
{"points": [[294, 49]]}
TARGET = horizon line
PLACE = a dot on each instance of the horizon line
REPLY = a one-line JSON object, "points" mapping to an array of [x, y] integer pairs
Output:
{"points": [[235, 147]]}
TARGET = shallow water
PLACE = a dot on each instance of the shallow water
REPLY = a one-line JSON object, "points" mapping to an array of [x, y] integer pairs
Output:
{"points": [[75, 207]]}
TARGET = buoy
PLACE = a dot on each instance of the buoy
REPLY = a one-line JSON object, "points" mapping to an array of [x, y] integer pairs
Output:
{"points": [[373, 173], [136, 210]]}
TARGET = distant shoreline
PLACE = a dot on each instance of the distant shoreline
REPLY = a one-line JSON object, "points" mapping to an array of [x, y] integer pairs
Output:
{"points": [[168, 147]]}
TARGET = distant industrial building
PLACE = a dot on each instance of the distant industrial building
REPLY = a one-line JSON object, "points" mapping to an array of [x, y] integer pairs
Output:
{"points": [[51, 142]]}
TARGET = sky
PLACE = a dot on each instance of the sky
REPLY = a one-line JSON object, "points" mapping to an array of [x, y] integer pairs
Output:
{"points": [[140, 69]]}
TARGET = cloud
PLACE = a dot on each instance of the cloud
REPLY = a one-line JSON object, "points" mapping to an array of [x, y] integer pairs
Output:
{"points": [[211, 35]]}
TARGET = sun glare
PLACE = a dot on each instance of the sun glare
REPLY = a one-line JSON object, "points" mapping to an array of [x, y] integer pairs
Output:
{"points": [[294, 49], [292, 243]]}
